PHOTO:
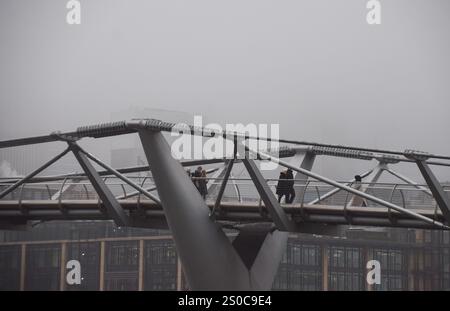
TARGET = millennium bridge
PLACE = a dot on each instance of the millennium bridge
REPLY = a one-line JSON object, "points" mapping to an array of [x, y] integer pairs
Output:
{"points": [[166, 198]]}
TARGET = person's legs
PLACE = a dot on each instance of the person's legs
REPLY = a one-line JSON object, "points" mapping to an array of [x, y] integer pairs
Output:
{"points": [[291, 196]]}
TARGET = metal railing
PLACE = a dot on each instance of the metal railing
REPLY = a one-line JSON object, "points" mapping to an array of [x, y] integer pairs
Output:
{"points": [[405, 195]]}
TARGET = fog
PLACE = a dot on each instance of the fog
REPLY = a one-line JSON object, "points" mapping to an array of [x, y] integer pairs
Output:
{"points": [[313, 66]]}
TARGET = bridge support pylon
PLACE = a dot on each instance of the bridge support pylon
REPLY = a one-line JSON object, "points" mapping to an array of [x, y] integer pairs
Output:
{"points": [[210, 260]]}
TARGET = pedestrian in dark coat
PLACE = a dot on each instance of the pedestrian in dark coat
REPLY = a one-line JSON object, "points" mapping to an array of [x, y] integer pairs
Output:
{"points": [[282, 187], [196, 177], [290, 186], [202, 185]]}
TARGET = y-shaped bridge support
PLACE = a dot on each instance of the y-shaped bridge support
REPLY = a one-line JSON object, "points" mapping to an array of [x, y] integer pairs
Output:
{"points": [[210, 260]]}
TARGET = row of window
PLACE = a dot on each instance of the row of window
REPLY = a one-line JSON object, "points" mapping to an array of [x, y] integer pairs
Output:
{"points": [[75, 230], [301, 267], [121, 266]]}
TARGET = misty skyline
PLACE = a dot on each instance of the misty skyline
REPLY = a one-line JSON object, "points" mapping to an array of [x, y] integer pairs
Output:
{"points": [[315, 67]]}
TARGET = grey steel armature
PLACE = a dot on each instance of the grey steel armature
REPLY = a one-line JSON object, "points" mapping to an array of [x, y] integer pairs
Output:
{"points": [[336, 190], [306, 160], [127, 127], [32, 174], [122, 177], [209, 259], [349, 189], [436, 189], [229, 167], [113, 208], [277, 214], [409, 181]]}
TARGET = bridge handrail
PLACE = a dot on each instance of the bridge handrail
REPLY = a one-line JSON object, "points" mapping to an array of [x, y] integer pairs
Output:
{"points": [[272, 182]]}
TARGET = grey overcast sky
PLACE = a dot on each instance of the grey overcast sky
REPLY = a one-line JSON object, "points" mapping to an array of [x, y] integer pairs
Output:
{"points": [[313, 66]]}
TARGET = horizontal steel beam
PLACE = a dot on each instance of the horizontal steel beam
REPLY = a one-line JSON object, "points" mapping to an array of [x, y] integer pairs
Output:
{"points": [[233, 211], [124, 127], [125, 170]]}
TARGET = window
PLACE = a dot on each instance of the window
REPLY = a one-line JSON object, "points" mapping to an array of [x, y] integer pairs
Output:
{"points": [[88, 254], [310, 255], [121, 265], [394, 275], [446, 237], [122, 256], [160, 265], [10, 267], [42, 266], [345, 268]]}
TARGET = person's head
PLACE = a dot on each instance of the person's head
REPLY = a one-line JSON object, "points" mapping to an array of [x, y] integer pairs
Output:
{"points": [[203, 173], [358, 178], [199, 168]]}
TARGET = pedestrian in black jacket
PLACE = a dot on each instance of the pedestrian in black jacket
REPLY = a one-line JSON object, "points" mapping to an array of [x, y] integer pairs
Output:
{"points": [[282, 187], [202, 184], [196, 177], [290, 186]]}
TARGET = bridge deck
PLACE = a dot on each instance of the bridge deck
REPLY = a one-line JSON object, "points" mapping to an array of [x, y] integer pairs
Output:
{"points": [[149, 214]]}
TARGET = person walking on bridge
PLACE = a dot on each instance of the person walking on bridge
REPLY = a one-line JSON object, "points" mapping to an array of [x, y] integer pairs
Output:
{"points": [[282, 187], [196, 177], [202, 182], [290, 186], [357, 200]]}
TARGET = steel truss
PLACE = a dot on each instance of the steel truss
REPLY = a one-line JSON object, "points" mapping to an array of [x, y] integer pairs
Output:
{"points": [[210, 259]]}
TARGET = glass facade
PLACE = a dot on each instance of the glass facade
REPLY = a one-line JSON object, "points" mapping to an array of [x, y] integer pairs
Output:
{"points": [[160, 265], [445, 268], [120, 259], [300, 268], [394, 266], [10, 259], [43, 267], [88, 254], [122, 265], [346, 268]]}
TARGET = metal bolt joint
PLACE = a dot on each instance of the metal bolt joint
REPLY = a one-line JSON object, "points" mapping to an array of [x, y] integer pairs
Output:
{"points": [[416, 155]]}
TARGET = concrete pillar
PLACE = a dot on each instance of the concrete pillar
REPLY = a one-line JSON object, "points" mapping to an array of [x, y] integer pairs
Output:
{"points": [[141, 265], [325, 271], [179, 274], [23, 267], [62, 271], [420, 260], [411, 271], [366, 258], [102, 266]]}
